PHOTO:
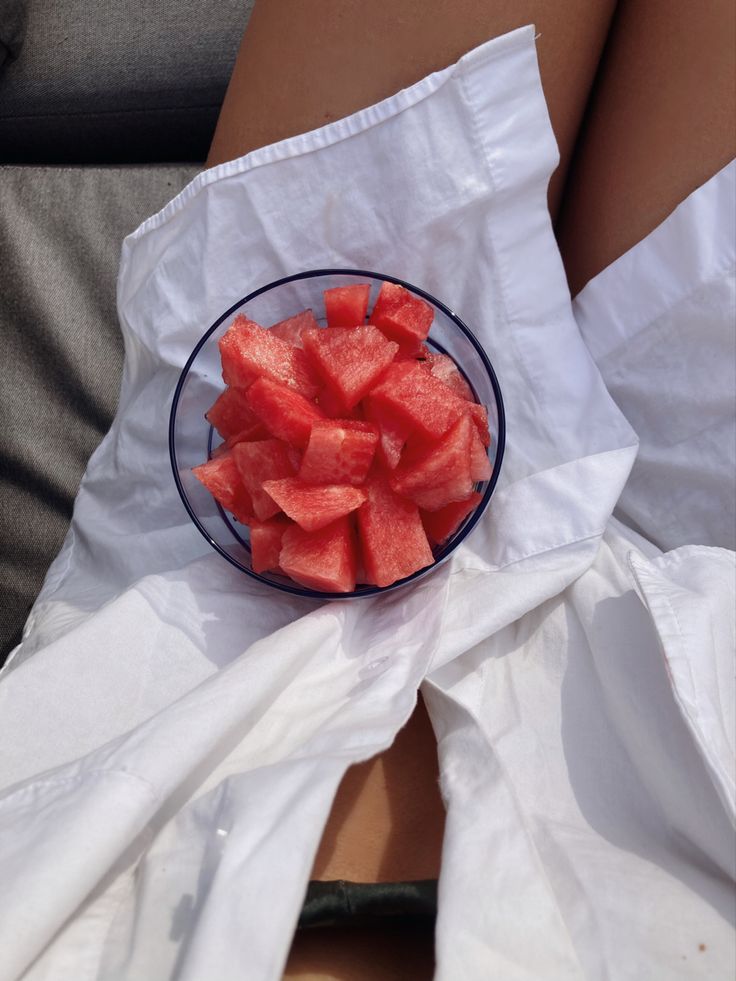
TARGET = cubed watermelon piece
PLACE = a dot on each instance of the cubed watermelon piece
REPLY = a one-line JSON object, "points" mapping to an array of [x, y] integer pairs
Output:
{"points": [[440, 525], [349, 359], [392, 537], [250, 435], [339, 451], [393, 432], [402, 316], [285, 413], [265, 542], [411, 351], [325, 560], [222, 479], [480, 465], [347, 306], [441, 474], [231, 413], [444, 368], [479, 415], [414, 397], [313, 506], [267, 459], [249, 351], [291, 329], [331, 404]]}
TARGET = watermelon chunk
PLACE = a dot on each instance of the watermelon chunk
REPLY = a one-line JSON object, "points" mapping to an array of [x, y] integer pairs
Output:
{"points": [[291, 329], [444, 368], [265, 542], [414, 397], [440, 525], [340, 451], [402, 316], [325, 559], [250, 435], [411, 351], [331, 404], [349, 359], [267, 459], [222, 479], [249, 351], [392, 537], [313, 506], [479, 415], [480, 465], [347, 306], [441, 474], [231, 413], [393, 433], [285, 413]]}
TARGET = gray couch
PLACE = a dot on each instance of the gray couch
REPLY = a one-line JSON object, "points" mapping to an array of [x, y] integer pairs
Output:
{"points": [[124, 81], [106, 111]]}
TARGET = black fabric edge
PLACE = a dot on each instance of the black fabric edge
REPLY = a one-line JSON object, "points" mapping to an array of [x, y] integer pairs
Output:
{"points": [[340, 903]]}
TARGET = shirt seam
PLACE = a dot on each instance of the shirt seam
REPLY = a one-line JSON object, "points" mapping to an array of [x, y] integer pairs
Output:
{"points": [[80, 777]]}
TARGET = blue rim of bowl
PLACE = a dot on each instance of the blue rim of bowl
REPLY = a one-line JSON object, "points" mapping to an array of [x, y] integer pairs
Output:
{"points": [[464, 529]]}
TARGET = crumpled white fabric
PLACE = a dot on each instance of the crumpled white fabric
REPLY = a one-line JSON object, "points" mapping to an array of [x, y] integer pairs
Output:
{"points": [[171, 736]]}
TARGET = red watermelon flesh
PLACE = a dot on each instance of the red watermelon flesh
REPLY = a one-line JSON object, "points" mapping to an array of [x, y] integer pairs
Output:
{"points": [[231, 413], [222, 479], [285, 413], [250, 435], [313, 506], [412, 351], [267, 459], [325, 560], [401, 315], [393, 433], [440, 525], [479, 415], [331, 404], [350, 359], [392, 537], [480, 465], [413, 396], [265, 542], [441, 474], [291, 329], [444, 368], [339, 451], [347, 306], [249, 351]]}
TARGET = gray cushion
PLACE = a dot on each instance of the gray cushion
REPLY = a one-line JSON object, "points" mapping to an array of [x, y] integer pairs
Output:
{"points": [[60, 237], [120, 81], [12, 28]]}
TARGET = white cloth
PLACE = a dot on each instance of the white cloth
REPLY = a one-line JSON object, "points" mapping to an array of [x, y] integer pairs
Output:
{"points": [[171, 735]]}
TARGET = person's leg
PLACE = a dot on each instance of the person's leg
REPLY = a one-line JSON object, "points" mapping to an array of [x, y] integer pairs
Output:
{"points": [[304, 64], [300, 66], [660, 123]]}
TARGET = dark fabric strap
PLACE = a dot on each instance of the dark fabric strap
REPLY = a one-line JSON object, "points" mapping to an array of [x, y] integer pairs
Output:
{"points": [[339, 903]]}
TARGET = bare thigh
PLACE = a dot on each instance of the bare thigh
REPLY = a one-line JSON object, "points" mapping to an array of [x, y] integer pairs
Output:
{"points": [[661, 121], [303, 64]]}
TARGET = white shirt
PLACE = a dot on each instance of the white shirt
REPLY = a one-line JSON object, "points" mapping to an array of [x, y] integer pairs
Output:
{"points": [[172, 735]]}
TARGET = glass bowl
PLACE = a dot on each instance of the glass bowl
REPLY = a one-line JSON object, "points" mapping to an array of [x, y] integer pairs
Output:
{"points": [[192, 439]]}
